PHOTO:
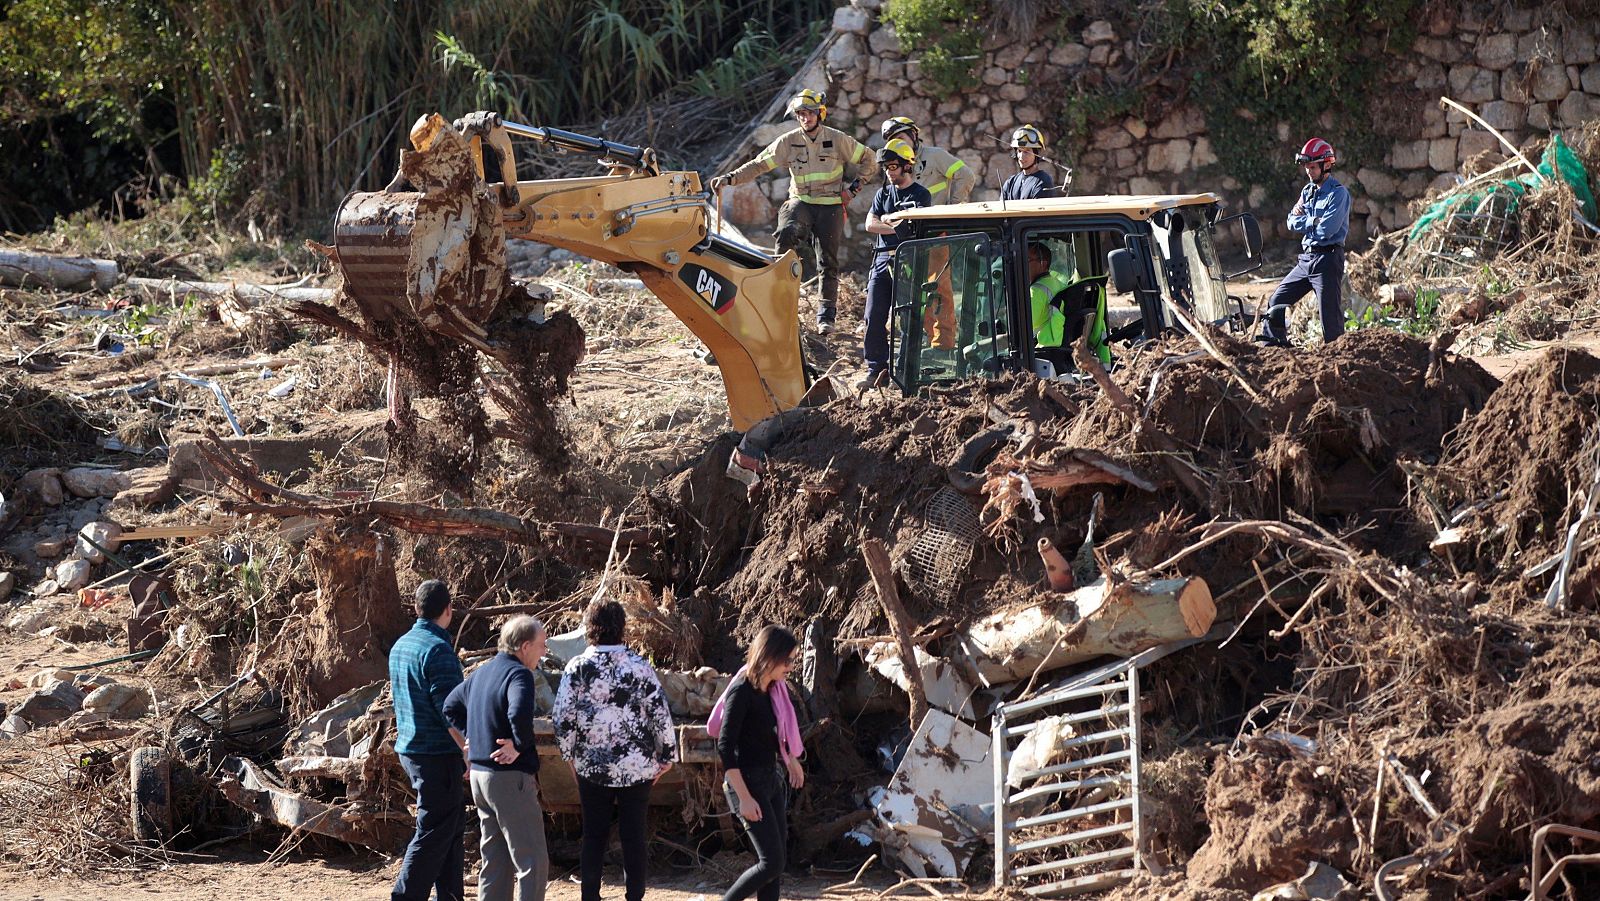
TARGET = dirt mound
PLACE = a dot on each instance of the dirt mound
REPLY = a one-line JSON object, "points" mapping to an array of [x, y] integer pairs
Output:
{"points": [[1515, 474]]}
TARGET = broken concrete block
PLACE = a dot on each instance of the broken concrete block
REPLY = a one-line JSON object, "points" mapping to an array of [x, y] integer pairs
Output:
{"points": [[51, 548], [73, 574], [32, 619], [106, 535], [691, 695], [44, 485], [946, 768], [14, 726], [123, 702], [8, 584], [46, 588], [86, 481], [51, 705]]}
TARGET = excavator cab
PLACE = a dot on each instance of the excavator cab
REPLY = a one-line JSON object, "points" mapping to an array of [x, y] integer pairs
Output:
{"points": [[1115, 270]]}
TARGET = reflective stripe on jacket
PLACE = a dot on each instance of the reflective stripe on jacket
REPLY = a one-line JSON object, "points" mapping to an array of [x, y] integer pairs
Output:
{"points": [[817, 164], [945, 176]]}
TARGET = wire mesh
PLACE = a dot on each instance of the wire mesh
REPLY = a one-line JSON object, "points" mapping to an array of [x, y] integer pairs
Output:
{"points": [[937, 562]]}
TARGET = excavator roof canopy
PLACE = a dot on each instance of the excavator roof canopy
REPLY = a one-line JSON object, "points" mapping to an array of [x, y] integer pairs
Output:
{"points": [[1135, 206]]}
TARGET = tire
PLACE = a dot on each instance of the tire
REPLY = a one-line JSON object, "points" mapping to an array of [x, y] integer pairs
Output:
{"points": [[150, 781]]}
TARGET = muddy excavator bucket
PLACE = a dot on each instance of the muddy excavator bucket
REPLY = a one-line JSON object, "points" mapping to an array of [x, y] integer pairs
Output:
{"points": [[435, 253]]}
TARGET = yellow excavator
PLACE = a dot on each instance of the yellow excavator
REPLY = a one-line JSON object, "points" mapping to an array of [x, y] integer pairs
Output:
{"points": [[431, 246]]}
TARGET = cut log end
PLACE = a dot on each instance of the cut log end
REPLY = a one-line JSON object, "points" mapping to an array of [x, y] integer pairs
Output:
{"points": [[1198, 609]]}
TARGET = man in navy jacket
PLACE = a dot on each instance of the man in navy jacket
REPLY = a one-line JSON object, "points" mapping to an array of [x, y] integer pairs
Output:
{"points": [[1322, 219], [494, 707]]}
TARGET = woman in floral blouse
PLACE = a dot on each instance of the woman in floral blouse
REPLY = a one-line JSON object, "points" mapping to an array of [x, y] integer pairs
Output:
{"points": [[614, 728]]}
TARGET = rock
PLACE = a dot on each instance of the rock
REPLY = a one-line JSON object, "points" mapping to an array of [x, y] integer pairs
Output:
{"points": [[51, 705], [1025, 113], [14, 726], [8, 584], [1578, 45], [1431, 78], [1474, 142], [884, 42], [1496, 51], [1013, 92], [1100, 56], [105, 534], [846, 53], [747, 207], [1432, 49], [1539, 116], [1470, 84], [1503, 115], [1180, 123], [1168, 156], [1136, 127], [1203, 154], [51, 548], [46, 588], [1099, 32], [123, 702], [1376, 182], [1577, 107], [766, 134], [1433, 125], [1589, 80], [994, 76], [972, 115], [1140, 184], [851, 20], [868, 5], [1069, 55], [1514, 18], [1538, 45], [47, 677], [881, 91], [1001, 116], [1442, 154], [44, 485], [1112, 137], [1513, 85], [1411, 154], [86, 481], [1010, 58], [1549, 84], [73, 574]]}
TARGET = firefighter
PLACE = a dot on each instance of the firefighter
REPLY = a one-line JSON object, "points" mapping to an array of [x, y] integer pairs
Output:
{"points": [[1031, 181], [827, 168], [1322, 219], [947, 178]]}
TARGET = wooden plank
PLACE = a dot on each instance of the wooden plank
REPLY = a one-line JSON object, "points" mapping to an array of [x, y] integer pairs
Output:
{"points": [[190, 530]]}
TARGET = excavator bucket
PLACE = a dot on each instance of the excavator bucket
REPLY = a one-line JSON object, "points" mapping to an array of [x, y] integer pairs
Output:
{"points": [[435, 253]]}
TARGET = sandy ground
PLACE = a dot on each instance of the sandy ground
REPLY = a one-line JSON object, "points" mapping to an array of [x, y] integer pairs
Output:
{"points": [[242, 875]]}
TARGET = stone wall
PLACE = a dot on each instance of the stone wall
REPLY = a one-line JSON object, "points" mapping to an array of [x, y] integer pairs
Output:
{"points": [[1525, 71]]}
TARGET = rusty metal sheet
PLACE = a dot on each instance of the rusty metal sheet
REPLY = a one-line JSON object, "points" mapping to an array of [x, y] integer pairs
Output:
{"points": [[946, 772]]}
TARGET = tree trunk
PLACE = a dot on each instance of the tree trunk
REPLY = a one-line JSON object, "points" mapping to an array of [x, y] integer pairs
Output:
{"points": [[1096, 620], [32, 270]]}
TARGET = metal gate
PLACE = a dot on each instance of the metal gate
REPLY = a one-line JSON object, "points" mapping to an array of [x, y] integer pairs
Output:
{"points": [[1067, 785]]}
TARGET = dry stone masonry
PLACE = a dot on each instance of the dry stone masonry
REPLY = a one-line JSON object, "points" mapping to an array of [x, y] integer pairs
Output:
{"points": [[1525, 71]]}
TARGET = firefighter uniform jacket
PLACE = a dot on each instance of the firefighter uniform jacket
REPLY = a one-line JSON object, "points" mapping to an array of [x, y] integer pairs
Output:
{"points": [[817, 164], [945, 176]]}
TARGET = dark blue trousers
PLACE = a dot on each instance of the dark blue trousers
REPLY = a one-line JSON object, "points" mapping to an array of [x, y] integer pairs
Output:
{"points": [[1319, 271], [434, 859], [880, 297]]}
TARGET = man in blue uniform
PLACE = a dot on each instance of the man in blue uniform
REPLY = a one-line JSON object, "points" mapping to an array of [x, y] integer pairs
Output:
{"points": [[900, 192], [1322, 219], [1031, 181]]}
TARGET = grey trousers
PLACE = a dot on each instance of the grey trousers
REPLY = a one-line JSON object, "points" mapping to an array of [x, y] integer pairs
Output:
{"points": [[512, 845]]}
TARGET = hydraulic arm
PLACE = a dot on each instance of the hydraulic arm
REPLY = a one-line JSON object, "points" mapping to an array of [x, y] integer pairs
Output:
{"points": [[432, 246]]}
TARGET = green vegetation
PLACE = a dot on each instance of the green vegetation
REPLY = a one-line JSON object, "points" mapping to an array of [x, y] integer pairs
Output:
{"points": [[277, 109], [945, 35]]}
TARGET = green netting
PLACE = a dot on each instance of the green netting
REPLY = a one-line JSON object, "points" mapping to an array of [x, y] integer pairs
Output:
{"points": [[1558, 161]]}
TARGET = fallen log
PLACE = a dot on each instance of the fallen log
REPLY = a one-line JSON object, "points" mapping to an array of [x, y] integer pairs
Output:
{"points": [[160, 289], [31, 270], [1097, 620]]}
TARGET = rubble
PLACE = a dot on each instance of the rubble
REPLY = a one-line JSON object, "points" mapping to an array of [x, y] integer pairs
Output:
{"points": [[50, 704], [95, 539], [90, 482]]}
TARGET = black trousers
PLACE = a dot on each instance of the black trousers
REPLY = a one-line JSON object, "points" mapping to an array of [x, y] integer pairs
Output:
{"points": [[769, 835], [880, 299], [798, 222], [1322, 272], [602, 805], [434, 859]]}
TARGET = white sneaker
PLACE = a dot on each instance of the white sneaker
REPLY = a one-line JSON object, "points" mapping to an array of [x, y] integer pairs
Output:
{"points": [[824, 328]]}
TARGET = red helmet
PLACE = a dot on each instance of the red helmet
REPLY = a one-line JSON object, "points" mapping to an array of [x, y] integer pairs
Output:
{"points": [[1316, 150]]}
